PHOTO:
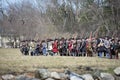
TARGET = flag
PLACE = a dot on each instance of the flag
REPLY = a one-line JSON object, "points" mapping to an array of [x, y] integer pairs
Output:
{"points": [[90, 37]]}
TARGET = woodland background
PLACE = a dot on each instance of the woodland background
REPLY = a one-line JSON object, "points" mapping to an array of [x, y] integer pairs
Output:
{"points": [[59, 18]]}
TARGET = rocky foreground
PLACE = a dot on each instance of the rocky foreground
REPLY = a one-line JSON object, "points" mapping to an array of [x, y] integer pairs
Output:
{"points": [[45, 74]]}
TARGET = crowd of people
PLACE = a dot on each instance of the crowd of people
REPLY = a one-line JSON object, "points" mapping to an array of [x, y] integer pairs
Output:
{"points": [[102, 47]]}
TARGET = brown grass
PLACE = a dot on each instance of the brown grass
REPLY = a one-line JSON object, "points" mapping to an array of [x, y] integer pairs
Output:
{"points": [[11, 60]]}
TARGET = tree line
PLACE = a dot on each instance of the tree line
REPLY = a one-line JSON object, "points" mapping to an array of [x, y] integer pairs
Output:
{"points": [[60, 18]]}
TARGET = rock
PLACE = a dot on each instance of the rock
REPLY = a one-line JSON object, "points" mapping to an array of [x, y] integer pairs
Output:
{"points": [[55, 75], [30, 75], [87, 77], [106, 76], [116, 77], [117, 71], [63, 76], [8, 77], [96, 75], [42, 74], [49, 79], [34, 79], [75, 78], [23, 77]]}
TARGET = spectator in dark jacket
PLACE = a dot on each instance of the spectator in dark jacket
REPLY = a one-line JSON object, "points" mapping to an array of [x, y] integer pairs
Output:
{"points": [[101, 49]]}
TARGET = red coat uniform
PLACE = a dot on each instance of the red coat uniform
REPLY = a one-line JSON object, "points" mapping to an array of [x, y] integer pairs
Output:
{"points": [[55, 47], [70, 45]]}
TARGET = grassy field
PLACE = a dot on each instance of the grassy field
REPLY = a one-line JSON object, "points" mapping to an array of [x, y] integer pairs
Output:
{"points": [[11, 60]]}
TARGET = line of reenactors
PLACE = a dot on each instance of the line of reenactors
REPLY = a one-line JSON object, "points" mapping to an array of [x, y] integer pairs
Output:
{"points": [[102, 47]]}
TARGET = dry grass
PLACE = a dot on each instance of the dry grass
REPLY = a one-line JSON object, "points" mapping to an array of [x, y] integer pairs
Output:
{"points": [[11, 60]]}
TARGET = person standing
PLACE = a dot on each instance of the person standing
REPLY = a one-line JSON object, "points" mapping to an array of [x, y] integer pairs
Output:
{"points": [[107, 46], [100, 49], [83, 47], [70, 47], [44, 48], [55, 47], [32, 47], [49, 46]]}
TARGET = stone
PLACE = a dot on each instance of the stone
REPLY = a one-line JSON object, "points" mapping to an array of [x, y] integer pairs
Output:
{"points": [[34, 79], [23, 77], [116, 77], [87, 77], [96, 74], [50, 79], [63, 76], [106, 76], [55, 75], [75, 78], [42, 74], [8, 77], [30, 75], [117, 71]]}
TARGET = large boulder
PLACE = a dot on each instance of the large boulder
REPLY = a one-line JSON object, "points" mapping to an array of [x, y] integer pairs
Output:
{"points": [[106, 76], [87, 77], [117, 71], [42, 74], [55, 75], [8, 77]]}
